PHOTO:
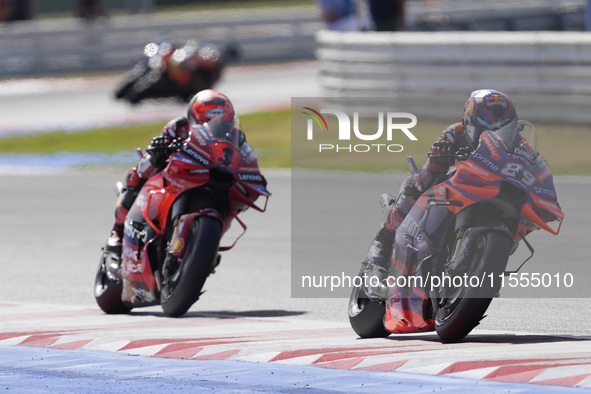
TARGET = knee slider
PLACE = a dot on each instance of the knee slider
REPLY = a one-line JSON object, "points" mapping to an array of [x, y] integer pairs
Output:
{"points": [[394, 219], [132, 180], [145, 167]]}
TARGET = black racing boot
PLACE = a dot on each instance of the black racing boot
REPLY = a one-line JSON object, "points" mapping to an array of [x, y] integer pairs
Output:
{"points": [[111, 257], [380, 251], [378, 260], [114, 241]]}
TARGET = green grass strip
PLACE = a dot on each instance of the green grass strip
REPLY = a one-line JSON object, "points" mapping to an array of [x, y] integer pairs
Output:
{"points": [[565, 147], [267, 132]]}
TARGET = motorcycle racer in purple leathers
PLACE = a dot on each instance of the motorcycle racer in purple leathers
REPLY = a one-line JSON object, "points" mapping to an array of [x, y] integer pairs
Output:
{"points": [[486, 109]]}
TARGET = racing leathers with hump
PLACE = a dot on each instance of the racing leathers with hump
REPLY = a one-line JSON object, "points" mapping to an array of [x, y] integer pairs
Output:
{"points": [[485, 110], [204, 106]]}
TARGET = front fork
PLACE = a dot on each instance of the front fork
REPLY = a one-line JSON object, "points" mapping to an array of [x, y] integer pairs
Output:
{"points": [[175, 247], [375, 281]]}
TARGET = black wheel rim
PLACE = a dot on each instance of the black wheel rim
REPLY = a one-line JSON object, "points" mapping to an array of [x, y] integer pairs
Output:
{"points": [[172, 277]]}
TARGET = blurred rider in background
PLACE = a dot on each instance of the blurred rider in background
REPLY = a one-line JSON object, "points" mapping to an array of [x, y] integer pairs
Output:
{"points": [[486, 109], [168, 69], [183, 63], [205, 105]]}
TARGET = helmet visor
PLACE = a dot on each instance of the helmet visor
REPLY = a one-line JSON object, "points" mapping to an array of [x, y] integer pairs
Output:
{"points": [[472, 133]]}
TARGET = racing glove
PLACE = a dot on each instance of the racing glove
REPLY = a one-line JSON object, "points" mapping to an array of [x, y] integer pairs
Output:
{"points": [[440, 155], [464, 153], [159, 150], [176, 144]]}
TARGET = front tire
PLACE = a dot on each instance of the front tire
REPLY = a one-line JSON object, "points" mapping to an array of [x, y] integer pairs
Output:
{"points": [[107, 289], [185, 277], [366, 316], [461, 309], [145, 87], [130, 78]]}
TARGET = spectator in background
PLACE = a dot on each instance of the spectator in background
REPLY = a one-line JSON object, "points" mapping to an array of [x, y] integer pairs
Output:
{"points": [[387, 15], [2, 10], [140, 6], [90, 10], [339, 15], [17, 10]]}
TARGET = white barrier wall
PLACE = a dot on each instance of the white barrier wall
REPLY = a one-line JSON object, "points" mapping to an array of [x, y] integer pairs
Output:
{"points": [[45, 46], [547, 74]]}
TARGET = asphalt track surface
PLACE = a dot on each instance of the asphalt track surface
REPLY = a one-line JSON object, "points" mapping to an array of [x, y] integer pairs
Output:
{"points": [[75, 103], [59, 221], [55, 222]]}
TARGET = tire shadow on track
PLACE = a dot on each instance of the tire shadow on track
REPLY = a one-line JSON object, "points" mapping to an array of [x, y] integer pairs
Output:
{"points": [[225, 314], [511, 339]]}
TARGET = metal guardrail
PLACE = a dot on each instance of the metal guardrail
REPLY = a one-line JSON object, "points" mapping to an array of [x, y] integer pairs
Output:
{"points": [[273, 34], [69, 45], [548, 74], [498, 15]]}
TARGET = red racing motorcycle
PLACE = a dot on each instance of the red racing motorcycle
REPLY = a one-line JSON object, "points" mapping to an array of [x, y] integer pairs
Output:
{"points": [[450, 253], [173, 230], [171, 70]]}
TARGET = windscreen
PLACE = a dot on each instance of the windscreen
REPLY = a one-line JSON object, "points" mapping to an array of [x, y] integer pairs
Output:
{"points": [[520, 137], [509, 133], [219, 129]]}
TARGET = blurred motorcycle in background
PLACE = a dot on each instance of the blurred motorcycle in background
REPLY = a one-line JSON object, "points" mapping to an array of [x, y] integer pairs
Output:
{"points": [[176, 71]]}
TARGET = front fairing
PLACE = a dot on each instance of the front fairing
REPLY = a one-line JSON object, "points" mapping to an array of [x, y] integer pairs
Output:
{"points": [[517, 174], [494, 173], [227, 152]]}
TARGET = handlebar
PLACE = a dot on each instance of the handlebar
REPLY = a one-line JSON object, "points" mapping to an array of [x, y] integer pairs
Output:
{"points": [[462, 154], [173, 146]]}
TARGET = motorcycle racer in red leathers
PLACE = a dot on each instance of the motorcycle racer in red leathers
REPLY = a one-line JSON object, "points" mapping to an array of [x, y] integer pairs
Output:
{"points": [[486, 109], [204, 106]]}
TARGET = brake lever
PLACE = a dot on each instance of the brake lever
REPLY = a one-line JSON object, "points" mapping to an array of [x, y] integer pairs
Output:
{"points": [[458, 156], [455, 156]]}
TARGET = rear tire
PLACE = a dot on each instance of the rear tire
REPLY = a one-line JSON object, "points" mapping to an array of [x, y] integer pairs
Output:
{"points": [[456, 316], [107, 291], [182, 287], [366, 316]]}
